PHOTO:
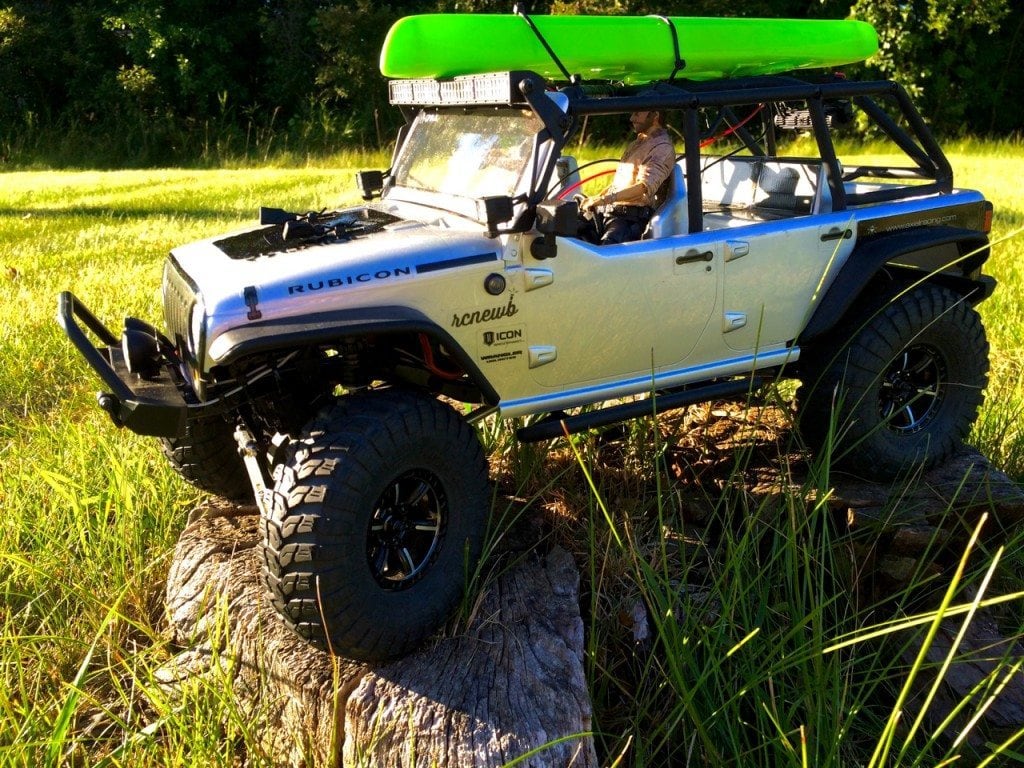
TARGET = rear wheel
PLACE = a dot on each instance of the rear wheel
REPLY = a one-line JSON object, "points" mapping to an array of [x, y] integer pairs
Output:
{"points": [[904, 389], [376, 521]]}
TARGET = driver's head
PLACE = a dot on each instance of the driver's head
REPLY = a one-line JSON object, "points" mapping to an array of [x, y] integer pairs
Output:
{"points": [[644, 121]]}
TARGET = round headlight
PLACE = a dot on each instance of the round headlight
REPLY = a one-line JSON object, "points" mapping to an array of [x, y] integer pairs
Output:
{"points": [[141, 353]]}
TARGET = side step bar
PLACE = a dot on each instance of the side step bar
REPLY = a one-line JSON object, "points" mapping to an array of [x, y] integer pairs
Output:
{"points": [[558, 424]]}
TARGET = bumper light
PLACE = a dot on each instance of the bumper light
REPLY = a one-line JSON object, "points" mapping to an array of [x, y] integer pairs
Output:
{"points": [[141, 346]]}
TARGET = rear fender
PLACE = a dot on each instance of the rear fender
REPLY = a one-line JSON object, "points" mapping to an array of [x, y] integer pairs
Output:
{"points": [[950, 255]]}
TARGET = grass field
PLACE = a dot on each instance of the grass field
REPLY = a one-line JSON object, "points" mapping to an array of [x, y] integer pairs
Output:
{"points": [[91, 514]]}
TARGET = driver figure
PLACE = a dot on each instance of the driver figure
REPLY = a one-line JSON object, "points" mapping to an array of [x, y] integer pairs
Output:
{"points": [[621, 212]]}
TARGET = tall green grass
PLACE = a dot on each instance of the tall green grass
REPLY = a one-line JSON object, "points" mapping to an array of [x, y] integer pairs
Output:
{"points": [[757, 649], [731, 628], [90, 513]]}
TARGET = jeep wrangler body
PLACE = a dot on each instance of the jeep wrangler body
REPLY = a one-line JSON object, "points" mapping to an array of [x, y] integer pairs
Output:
{"points": [[303, 361]]}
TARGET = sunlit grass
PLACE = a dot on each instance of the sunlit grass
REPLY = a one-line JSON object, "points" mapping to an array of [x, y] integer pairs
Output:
{"points": [[744, 668], [91, 513], [998, 431]]}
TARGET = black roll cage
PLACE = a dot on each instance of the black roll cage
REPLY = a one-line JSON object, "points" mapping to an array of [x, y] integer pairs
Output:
{"points": [[690, 97]]}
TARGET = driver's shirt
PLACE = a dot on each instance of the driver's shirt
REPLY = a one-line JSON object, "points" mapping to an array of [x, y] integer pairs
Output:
{"points": [[648, 160]]}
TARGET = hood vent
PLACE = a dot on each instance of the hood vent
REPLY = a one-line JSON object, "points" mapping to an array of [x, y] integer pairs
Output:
{"points": [[306, 231]]}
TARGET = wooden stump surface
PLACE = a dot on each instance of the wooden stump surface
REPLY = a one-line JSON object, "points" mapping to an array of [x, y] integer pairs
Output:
{"points": [[511, 683]]}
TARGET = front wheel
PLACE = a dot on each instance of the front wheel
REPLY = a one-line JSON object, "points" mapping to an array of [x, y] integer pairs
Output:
{"points": [[206, 455], [376, 522], [904, 389]]}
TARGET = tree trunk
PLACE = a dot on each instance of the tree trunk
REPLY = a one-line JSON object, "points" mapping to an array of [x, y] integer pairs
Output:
{"points": [[510, 683]]}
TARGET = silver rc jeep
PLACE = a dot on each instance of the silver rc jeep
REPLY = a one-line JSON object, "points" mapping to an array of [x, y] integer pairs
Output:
{"points": [[304, 361]]}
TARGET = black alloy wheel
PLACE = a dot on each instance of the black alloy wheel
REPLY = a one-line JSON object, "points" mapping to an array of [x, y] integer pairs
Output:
{"points": [[407, 528], [912, 389]]}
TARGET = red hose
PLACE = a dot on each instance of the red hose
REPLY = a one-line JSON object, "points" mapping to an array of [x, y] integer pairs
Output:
{"points": [[733, 129], [431, 364], [562, 195]]}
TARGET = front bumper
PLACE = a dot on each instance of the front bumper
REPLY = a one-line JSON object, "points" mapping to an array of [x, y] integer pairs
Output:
{"points": [[154, 406]]}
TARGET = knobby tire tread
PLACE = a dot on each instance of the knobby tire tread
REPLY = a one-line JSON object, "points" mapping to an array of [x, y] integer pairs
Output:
{"points": [[841, 388], [314, 538], [207, 457]]}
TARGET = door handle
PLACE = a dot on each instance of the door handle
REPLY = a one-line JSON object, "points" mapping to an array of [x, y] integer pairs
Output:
{"points": [[837, 234], [694, 255]]}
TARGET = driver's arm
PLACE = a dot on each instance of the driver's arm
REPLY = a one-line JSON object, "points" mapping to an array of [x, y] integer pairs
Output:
{"points": [[630, 195]]}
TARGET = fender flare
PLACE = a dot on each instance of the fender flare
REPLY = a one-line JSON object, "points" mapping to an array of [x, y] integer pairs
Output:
{"points": [[923, 250], [324, 327]]}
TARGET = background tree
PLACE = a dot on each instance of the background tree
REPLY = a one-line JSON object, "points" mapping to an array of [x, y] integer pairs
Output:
{"points": [[960, 59], [159, 81], [350, 35], [30, 70]]}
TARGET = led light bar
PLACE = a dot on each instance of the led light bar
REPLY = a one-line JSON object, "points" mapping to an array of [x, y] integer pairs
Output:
{"points": [[492, 88]]}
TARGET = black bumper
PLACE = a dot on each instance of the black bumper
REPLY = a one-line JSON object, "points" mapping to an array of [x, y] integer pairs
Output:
{"points": [[154, 407]]}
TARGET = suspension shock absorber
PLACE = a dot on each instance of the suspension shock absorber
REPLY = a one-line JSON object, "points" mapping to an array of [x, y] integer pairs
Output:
{"points": [[351, 362]]}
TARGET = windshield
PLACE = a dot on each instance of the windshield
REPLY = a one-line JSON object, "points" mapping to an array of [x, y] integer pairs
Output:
{"points": [[468, 154]]}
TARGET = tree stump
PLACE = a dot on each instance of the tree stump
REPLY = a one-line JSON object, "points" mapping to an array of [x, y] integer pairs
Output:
{"points": [[894, 533], [511, 683], [983, 668], [929, 520], [925, 526]]}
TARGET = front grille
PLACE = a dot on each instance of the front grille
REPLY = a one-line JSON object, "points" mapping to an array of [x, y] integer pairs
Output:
{"points": [[179, 294]]}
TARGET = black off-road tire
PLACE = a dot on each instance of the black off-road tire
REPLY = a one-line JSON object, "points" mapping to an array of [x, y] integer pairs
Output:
{"points": [[375, 523], [903, 390], [207, 456]]}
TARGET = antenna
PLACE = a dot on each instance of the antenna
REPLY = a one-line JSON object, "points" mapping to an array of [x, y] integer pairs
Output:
{"points": [[521, 10]]}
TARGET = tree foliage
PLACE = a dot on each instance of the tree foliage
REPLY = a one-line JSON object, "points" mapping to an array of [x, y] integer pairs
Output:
{"points": [[959, 58], [162, 76]]}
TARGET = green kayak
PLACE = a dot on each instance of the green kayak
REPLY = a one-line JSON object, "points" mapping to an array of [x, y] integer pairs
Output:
{"points": [[633, 49]]}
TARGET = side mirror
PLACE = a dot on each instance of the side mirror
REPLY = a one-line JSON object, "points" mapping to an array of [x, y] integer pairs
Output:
{"points": [[494, 210], [555, 218], [370, 183]]}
